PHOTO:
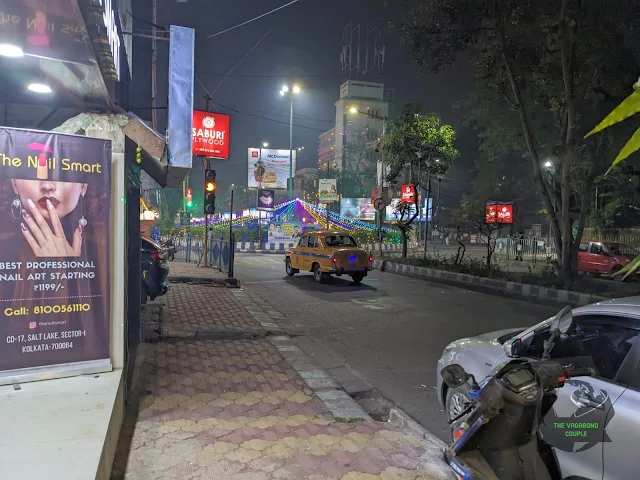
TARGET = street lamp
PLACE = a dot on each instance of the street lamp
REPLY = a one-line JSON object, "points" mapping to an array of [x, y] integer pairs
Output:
{"points": [[551, 171], [294, 91], [265, 144]]}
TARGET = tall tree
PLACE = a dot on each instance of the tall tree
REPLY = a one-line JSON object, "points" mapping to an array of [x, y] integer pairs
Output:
{"points": [[548, 65], [418, 141]]}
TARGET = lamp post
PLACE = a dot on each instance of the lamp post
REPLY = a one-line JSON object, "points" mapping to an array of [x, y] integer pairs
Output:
{"points": [[295, 90], [264, 145], [551, 171]]}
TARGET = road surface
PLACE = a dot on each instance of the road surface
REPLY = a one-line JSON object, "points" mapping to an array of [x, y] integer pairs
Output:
{"points": [[392, 329]]}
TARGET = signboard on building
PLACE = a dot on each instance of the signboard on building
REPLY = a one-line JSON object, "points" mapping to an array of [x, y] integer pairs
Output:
{"points": [[327, 190], [210, 134], [55, 252], [266, 199], [269, 168], [499, 212], [357, 208]]}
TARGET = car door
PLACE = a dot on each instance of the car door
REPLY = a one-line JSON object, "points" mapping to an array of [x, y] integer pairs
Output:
{"points": [[583, 257], [619, 450], [298, 256], [577, 425], [311, 252], [599, 259]]}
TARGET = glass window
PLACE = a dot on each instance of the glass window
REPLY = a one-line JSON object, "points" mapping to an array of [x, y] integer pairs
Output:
{"points": [[600, 342], [313, 242], [584, 247], [622, 249], [597, 249], [303, 242], [340, 241]]}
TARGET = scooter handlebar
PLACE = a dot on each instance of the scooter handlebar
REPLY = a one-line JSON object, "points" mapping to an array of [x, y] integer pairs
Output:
{"points": [[579, 372]]}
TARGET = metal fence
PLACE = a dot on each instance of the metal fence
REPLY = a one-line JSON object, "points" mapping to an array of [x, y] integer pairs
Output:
{"points": [[530, 249], [220, 252]]}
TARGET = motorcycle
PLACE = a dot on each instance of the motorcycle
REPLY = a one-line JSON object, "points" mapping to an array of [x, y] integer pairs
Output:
{"points": [[169, 249], [496, 437]]}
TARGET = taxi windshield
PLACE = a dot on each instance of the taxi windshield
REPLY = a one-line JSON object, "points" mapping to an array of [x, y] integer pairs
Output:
{"points": [[340, 241]]}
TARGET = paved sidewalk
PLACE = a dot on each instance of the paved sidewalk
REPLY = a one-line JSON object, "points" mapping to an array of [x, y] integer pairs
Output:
{"points": [[237, 410], [183, 271]]}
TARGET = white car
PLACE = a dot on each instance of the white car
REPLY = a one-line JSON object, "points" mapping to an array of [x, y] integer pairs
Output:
{"points": [[603, 337]]}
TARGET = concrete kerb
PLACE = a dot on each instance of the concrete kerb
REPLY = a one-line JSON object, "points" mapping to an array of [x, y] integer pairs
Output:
{"points": [[523, 291], [218, 282]]}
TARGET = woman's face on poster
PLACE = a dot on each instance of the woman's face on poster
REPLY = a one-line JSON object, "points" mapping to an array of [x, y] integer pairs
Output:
{"points": [[64, 196]]}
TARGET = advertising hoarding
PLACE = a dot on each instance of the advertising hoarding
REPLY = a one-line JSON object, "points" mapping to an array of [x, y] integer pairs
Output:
{"points": [[408, 193], [284, 232], [328, 190], [266, 199], [392, 215], [210, 134], [357, 208], [271, 170], [499, 213], [55, 230]]}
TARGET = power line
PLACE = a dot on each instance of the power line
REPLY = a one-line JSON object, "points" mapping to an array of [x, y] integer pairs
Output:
{"points": [[252, 20]]}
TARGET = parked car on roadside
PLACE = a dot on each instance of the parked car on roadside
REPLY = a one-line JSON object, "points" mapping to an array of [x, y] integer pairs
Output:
{"points": [[604, 337], [154, 270], [604, 258]]}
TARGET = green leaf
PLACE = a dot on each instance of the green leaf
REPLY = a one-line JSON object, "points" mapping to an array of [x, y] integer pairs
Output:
{"points": [[630, 106], [629, 269], [632, 146]]}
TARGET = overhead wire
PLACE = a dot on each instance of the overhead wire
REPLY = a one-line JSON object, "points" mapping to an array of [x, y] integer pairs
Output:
{"points": [[252, 20]]}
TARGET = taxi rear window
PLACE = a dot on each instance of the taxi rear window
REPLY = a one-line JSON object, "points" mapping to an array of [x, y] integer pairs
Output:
{"points": [[340, 240]]}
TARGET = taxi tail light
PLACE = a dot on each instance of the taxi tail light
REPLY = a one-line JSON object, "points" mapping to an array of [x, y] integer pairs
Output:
{"points": [[156, 255], [334, 259], [370, 258]]}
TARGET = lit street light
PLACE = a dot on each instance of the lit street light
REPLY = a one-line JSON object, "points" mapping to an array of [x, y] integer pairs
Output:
{"points": [[265, 144], [548, 164], [295, 91]]}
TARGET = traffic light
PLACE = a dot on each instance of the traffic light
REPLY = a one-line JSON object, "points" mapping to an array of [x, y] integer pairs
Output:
{"points": [[188, 193], [209, 192], [139, 155]]}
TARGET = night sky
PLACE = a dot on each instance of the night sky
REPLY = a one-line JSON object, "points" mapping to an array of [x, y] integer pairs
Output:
{"points": [[303, 46]]}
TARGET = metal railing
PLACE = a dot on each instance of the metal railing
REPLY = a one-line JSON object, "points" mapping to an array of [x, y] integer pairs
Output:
{"points": [[530, 249], [220, 253]]}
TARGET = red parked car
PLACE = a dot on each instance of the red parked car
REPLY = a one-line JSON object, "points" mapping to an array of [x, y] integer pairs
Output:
{"points": [[604, 258]]}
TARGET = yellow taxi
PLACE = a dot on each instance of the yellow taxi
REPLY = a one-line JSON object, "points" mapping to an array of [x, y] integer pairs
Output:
{"points": [[327, 253]]}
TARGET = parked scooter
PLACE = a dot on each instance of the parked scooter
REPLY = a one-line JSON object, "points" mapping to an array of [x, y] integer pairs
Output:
{"points": [[169, 249], [498, 436]]}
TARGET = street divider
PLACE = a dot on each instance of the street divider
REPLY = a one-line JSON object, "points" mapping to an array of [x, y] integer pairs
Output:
{"points": [[505, 288]]}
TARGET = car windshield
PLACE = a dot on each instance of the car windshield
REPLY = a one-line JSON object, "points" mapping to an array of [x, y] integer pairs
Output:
{"points": [[340, 241], [622, 249]]}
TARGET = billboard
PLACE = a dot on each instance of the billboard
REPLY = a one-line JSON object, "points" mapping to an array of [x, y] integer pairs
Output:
{"points": [[327, 190], [392, 215], [284, 232], [357, 208], [499, 213], [210, 134], [269, 168], [408, 194], [54, 230], [266, 199]]}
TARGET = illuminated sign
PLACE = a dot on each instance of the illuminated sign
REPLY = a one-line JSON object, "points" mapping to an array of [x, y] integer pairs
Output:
{"points": [[113, 34]]}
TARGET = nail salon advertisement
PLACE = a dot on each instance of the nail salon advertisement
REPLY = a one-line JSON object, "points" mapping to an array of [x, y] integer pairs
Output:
{"points": [[55, 197]]}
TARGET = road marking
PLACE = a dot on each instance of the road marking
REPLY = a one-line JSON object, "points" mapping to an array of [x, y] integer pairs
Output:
{"points": [[374, 303]]}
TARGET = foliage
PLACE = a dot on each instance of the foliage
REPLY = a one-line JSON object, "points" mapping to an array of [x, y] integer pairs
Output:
{"points": [[546, 67], [472, 213], [426, 145], [629, 107]]}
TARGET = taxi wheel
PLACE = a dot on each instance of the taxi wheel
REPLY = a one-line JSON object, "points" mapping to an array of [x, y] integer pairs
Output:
{"points": [[357, 278], [318, 276], [289, 268]]}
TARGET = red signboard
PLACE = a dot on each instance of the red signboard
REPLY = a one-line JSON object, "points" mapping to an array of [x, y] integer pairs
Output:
{"points": [[499, 213], [408, 194], [210, 134]]}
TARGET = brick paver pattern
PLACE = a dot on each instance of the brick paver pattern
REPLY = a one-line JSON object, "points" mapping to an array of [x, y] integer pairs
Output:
{"points": [[235, 410], [194, 308], [192, 270]]}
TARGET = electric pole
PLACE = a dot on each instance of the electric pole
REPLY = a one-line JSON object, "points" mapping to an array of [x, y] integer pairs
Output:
{"points": [[205, 164]]}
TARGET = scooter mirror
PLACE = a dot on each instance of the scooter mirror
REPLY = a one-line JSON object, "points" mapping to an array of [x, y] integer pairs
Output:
{"points": [[454, 375], [512, 348], [562, 322]]}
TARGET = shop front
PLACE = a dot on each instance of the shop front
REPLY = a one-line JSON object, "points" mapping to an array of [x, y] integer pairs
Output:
{"points": [[69, 233]]}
